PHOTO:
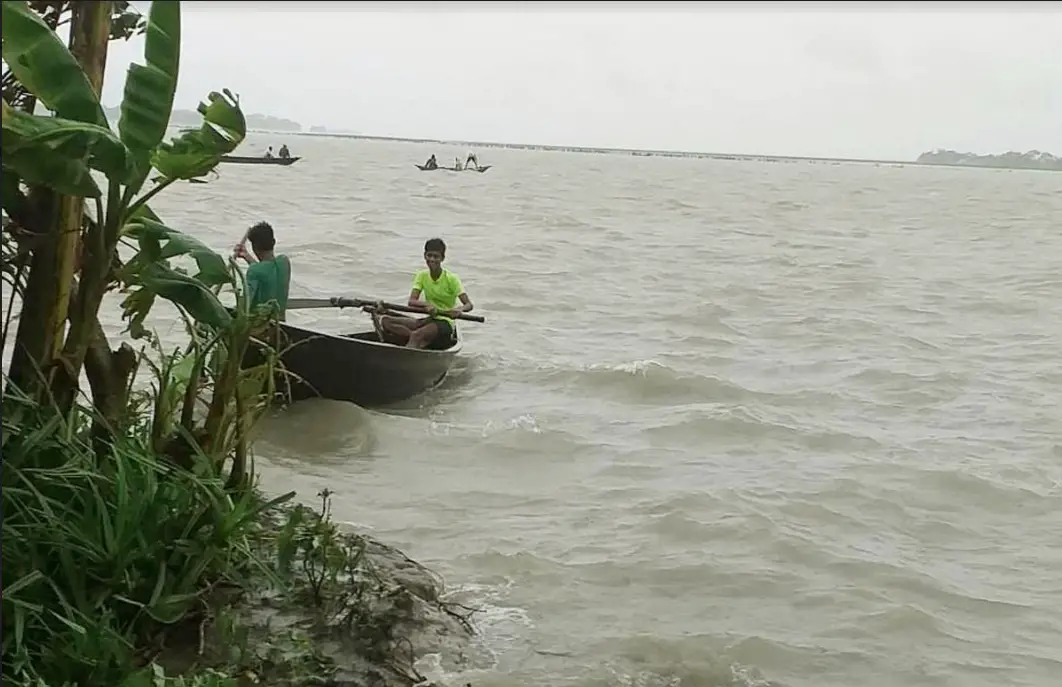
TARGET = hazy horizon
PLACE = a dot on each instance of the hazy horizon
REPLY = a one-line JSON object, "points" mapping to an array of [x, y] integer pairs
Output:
{"points": [[882, 84]]}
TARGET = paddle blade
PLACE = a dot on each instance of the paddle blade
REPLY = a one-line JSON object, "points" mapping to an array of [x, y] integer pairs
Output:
{"points": [[309, 303]]}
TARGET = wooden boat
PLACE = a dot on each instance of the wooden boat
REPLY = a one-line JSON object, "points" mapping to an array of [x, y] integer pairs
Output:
{"points": [[357, 368], [259, 160], [425, 168]]}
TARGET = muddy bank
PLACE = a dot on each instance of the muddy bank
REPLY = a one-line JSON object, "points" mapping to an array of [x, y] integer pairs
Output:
{"points": [[328, 607]]}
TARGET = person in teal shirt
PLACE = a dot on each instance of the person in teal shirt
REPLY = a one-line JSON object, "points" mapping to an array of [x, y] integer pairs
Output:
{"points": [[268, 274]]}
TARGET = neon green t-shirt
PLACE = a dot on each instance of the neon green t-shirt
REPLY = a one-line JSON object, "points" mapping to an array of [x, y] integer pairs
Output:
{"points": [[269, 280], [442, 292]]}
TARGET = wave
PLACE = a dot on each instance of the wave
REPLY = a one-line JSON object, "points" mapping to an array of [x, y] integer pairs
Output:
{"points": [[316, 431], [646, 381]]}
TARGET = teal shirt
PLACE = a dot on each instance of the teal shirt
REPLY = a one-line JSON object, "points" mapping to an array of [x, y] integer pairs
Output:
{"points": [[269, 280]]}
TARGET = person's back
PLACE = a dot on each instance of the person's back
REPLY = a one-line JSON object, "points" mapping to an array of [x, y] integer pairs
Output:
{"points": [[269, 275], [271, 279], [284, 152]]}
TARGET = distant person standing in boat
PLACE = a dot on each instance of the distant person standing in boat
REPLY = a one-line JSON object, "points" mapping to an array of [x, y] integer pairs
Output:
{"points": [[436, 291], [284, 152], [457, 164], [472, 160], [268, 274]]}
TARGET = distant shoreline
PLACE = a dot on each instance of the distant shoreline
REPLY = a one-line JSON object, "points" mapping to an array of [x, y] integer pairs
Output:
{"points": [[1032, 160], [654, 153], [259, 124]]}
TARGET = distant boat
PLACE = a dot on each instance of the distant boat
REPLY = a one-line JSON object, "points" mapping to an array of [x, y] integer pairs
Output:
{"points": [[260, 160], [425, 168]]}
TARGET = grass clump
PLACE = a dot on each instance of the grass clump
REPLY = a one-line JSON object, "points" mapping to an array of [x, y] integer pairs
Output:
{"points": [[106, 553], [123, 568]]}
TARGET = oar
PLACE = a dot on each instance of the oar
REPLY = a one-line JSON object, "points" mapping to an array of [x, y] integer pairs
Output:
{"points": [[338, 302]]}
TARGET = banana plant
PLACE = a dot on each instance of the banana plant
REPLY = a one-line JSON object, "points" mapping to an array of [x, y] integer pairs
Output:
{"points": [[61, 152]]}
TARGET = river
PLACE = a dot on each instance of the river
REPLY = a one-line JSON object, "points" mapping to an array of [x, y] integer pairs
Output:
{"points": [[727, 424]]}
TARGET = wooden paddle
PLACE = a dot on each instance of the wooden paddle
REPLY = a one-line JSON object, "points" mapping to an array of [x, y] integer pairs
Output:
{"points": [[339, 302]]}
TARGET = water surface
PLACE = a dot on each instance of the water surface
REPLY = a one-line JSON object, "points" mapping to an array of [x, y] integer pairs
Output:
{"points": [[728, 422]]}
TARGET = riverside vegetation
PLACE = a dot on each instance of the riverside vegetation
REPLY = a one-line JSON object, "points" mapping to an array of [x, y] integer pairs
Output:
{"points": [[1033, 159], [137, 549]]}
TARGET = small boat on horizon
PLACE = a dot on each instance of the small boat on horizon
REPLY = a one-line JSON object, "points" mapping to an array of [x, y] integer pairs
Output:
{"points": [[259, 160], [426, 168]]}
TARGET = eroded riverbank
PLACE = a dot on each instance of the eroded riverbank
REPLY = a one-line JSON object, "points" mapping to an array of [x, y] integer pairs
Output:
{"points": [[328, 606]]}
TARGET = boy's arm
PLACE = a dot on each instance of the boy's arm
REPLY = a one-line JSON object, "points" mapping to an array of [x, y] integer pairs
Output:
{"points": [[466, 305], [466, 302], [242, 252], [415, 302]]}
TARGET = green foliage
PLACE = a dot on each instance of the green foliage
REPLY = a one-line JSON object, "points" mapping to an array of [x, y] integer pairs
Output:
{"points": [[120, 528], [149, 274], [196, 152], [50, 72], [61, 153], [45, 67], [96, 556], [149, 89]]}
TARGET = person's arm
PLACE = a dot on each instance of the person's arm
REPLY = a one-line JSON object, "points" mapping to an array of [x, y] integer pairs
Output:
{"points": [[414, 295], [287, 277], [415, 302], [466, 305], [466, 302], [240, 251], [414, 299]]}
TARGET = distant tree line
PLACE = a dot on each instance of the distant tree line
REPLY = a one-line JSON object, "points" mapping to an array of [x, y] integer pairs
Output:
{"points": [[1033, 159]]}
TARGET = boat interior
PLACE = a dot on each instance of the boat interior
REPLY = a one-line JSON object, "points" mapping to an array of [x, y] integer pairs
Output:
{"points": [[372, 337]]}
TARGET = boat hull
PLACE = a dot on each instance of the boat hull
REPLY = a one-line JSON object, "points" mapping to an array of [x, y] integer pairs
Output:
{"points": [[425, 168], [357, 368], [246, 160]]}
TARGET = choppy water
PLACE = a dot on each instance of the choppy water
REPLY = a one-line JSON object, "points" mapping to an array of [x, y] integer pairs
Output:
{"points": [[729, 423]]}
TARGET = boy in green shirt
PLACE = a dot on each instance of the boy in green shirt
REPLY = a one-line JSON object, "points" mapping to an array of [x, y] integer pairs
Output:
{"points": [[268, 275], [436, 291]]}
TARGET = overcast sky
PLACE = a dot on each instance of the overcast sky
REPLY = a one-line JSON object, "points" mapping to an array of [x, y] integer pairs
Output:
{"points": [[720, 77]]}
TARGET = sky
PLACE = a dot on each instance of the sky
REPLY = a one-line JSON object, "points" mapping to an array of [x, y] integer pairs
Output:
{"points": [[867, 80]]}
